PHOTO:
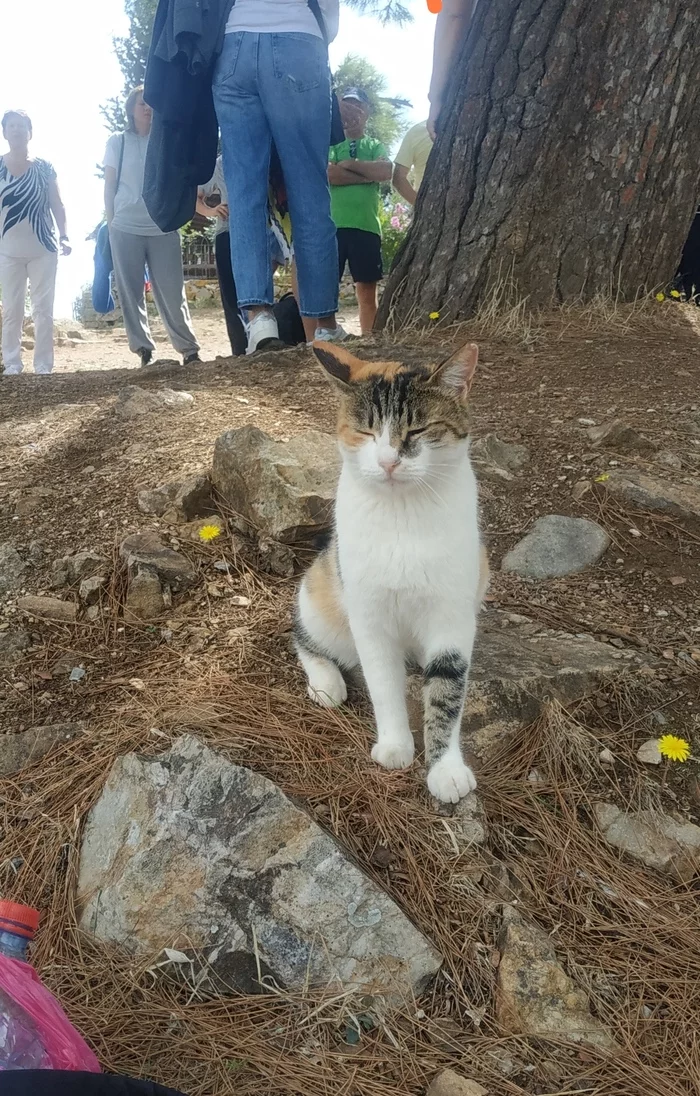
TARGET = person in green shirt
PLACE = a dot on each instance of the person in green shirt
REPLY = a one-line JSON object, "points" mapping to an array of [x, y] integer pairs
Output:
{"points": [[356, 168]]}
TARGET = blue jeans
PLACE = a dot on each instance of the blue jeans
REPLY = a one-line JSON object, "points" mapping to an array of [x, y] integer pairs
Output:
{"points": [[276, 87]]}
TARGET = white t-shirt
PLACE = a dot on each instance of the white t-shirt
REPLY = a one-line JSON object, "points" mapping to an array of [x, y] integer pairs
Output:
{"points": [[130, 213], [283, 17]]}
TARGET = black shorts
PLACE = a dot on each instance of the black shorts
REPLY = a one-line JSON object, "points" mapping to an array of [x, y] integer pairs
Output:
{"points": [[362, 251]]}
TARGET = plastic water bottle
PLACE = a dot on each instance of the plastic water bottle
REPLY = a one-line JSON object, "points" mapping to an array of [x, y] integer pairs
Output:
{"points": [[20, 1043]]}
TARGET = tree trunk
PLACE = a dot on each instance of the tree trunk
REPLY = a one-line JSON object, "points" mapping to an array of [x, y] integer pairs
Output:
{"points": [[569, 158]]}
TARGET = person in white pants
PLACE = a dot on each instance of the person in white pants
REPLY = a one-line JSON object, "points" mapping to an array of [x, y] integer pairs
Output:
{"points": [[30, 203]]}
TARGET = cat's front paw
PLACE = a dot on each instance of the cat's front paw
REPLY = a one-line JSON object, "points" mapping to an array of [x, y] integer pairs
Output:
{"points": [[450, 780], [327, 686], [394, 753]]}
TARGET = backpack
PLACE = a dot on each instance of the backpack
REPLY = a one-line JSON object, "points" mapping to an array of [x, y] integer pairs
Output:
{"points": [[289, 324]]}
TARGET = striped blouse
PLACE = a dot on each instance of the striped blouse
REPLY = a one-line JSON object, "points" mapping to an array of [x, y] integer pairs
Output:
{"points": [[24, 206]]}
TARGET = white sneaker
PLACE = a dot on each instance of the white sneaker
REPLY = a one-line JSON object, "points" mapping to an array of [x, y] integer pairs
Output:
{"points": [[12, 370], [263, 333], [331, 334]]}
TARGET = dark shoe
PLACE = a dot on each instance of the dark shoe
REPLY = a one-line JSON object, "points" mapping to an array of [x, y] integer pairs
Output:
{"points": [[145, 355], [191, 359]]}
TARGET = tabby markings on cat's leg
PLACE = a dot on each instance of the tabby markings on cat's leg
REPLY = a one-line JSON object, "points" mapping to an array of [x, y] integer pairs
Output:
{"points": [[444, 691]]}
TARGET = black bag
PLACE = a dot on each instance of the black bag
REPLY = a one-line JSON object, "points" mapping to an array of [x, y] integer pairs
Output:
{"points": [[46, 1082], [289, 324]]}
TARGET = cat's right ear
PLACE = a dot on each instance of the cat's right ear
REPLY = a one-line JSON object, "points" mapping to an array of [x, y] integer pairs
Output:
{"points": [[337, 364]]}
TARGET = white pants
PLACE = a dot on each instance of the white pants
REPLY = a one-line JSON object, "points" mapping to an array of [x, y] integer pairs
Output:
{"points": [[41, 274]]}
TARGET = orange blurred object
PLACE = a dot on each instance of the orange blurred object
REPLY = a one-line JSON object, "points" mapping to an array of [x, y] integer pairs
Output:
{"points": [[434, 6]]}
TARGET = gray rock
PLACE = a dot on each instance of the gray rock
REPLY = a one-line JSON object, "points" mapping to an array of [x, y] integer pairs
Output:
{"points": [[144, 596], [91, 589], [557, 546], [48, 608], [496, 459], [621, 437], [651, 493], [13, 645], [670, 459], [449, 1083], [283, 490], [516, 669], [12, 567], [189, 851], [71, 569], [132, 401], [19, 750], [183, 500], [648, 752], [534, 994], [276, 558], [146, 551], [652, 838]]}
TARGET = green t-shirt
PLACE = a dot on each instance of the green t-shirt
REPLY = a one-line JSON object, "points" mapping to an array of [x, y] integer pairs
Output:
{"points": [[357, 206]]}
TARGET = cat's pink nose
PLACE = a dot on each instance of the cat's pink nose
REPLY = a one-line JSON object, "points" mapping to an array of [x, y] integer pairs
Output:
{"points": [[389, 464]]}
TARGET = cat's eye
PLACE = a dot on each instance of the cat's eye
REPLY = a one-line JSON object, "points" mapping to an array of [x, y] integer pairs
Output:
{"points": [[417, 432]]}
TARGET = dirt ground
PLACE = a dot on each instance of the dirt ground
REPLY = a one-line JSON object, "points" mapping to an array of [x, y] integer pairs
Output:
{"points": [[225, 671]]}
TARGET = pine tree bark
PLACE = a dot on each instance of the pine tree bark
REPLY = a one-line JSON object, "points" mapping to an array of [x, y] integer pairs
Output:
{"points": [[569, 158]]}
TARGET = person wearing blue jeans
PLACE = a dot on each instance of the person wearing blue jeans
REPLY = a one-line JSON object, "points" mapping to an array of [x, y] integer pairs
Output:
{"points": [[272, 84]]}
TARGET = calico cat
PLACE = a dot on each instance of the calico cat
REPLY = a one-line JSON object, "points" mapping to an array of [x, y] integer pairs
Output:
{"points": [[404, 573]]}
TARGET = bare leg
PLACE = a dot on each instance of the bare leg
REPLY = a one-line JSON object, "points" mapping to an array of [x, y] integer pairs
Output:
{"points": [[367, 303]]}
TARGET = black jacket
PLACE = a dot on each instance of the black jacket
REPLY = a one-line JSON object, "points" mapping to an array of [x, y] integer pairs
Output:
{"points": [[187, 39], [46, 1082]]}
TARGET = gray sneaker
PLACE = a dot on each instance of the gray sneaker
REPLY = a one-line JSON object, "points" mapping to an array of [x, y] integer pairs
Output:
{"points": [[330, 334]]}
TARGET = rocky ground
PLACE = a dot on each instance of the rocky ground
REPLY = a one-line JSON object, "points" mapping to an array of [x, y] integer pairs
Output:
{"points": [[152, 714]]}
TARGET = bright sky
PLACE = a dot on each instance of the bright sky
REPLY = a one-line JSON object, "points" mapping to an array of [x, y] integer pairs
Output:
{"points": [[58, 65]]}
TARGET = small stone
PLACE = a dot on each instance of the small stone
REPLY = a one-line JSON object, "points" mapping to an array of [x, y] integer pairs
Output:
{"points": [[276, 558], [19, 750], [13, 644], [648, 752], [146, 550], [606, 757], [557, 546], [653, 838], [659, 718], [695, 654], [91, 588], [48, 608], [144, 598], [133, 401], [12, 567], [580, 489], [534, 994], [677, 580], [496, 459], [670, 460], [669, 653], [618, 435], [77, 675], [449, 1083]]}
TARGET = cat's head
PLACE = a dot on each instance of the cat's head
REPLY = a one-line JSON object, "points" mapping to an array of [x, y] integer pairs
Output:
{"points": [[400, 424]]}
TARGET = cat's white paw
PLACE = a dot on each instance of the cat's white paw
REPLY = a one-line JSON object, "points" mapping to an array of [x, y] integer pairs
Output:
{"points": [[450, 780], [327, 687], [394, 753]]}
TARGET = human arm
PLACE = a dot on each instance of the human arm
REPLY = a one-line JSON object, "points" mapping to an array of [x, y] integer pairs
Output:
{"points": [[338, 175], [369, 171], [59, 215], [110, 192], [401, 183], [450, 28]]}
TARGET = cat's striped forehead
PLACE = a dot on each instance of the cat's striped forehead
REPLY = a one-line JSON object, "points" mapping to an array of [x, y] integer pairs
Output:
{"points": [[391, 397]]}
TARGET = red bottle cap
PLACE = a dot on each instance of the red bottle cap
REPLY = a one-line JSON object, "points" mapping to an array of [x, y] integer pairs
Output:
{"points": [[22, 920]]}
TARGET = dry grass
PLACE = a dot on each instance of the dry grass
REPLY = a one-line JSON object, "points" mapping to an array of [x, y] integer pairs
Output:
{"points": [[630, 938]]}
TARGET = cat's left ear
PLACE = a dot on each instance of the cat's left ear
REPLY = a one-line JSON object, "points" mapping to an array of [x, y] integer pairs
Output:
{"points": [[456, 373]]}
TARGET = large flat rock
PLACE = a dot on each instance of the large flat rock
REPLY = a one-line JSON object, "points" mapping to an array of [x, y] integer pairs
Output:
{"points": [[191, 852]]}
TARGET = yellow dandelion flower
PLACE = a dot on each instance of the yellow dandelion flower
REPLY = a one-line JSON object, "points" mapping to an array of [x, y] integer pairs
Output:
{"points": [[675, 294], [675, 749], [209, 532], [434, 316], [661, 296]]}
